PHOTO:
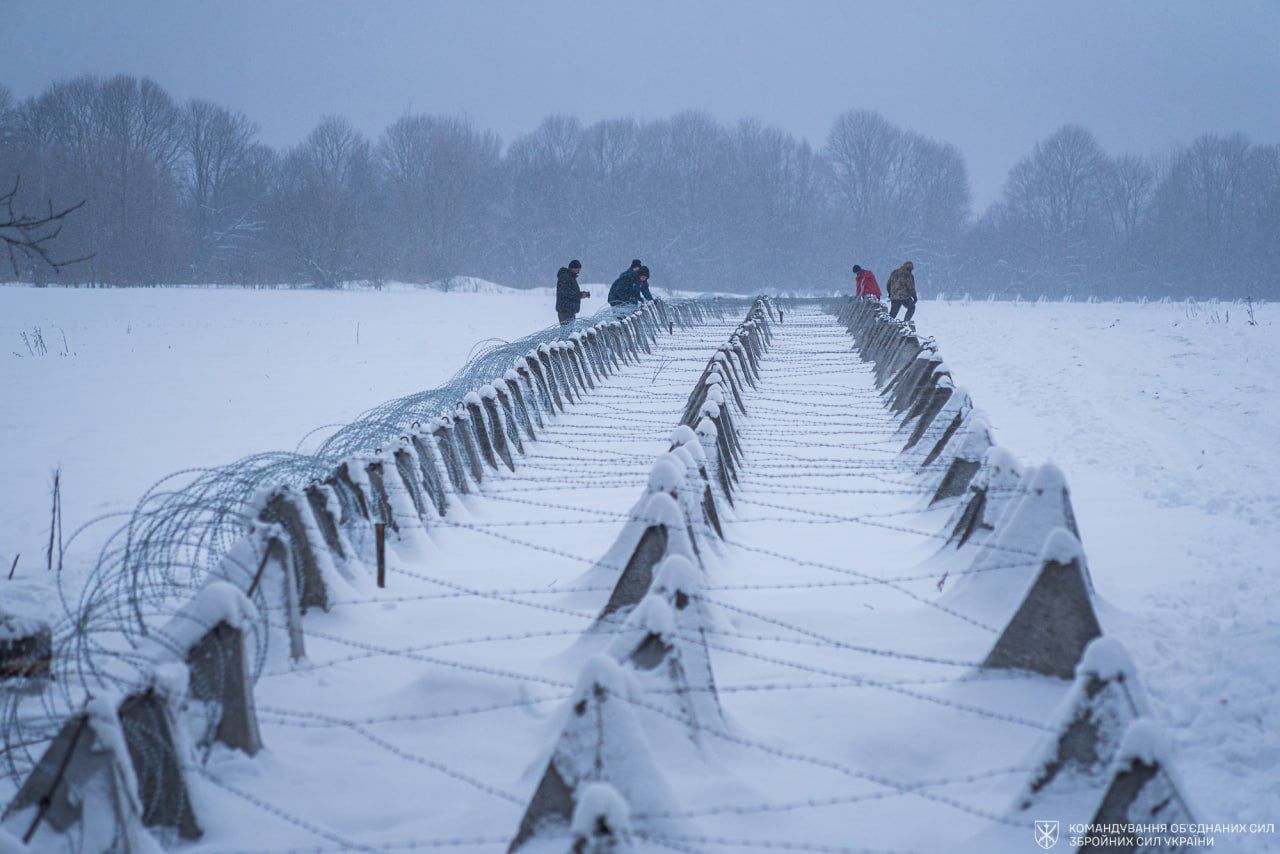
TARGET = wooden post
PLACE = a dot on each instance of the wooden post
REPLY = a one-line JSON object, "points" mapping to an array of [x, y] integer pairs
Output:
{"points": [[380, 529]]}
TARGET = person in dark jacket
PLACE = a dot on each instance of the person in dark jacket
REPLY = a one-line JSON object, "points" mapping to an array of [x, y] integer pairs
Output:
{"points": [[642, 284], [867, 286], [902, 291], [626, 288], [568, 297]]}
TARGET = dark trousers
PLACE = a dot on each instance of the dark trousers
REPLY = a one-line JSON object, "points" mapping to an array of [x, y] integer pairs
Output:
{"points": [[566, 317], [895, 304]]}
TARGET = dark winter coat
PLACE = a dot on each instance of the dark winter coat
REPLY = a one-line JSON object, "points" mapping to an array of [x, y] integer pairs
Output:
{"points": [[568, 295], [867, 285], [902, 283], [625, 289]]}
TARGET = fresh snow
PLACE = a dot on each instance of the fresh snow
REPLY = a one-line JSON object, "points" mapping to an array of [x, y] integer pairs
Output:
{"points": [[1164, 418], [429, 710]]}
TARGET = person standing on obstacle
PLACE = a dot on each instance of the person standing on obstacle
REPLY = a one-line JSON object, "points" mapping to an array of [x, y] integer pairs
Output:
{"points": [[902, 291], [568, 297], [867, 286]]}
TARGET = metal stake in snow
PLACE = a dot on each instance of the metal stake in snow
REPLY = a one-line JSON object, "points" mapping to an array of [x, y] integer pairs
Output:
{"points": [[380, 534]]}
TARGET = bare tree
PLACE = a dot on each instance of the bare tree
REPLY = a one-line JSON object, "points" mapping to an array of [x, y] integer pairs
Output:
{"points": [[1128, 183], [27, 236], [323, 209], [217, 147], [440, 179]]}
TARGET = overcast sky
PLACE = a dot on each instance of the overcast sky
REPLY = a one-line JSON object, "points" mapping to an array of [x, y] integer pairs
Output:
{"points": [[991, 76]]}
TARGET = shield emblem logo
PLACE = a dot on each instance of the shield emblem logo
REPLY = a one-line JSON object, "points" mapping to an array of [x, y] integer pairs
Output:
{"points": [[1046, 834]]}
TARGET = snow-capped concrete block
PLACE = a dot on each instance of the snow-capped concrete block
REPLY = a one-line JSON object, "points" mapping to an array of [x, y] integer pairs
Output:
{"points": [[158, 763], [450, 455], [208, 635], [662, 519], [601, 822], [972, 443], [289, 509], [81, 794], [327, 512], [600, 742], [1056, 621], [1143, 791], [26, 647], [992, 489], [498, 431], [1087, 730], [480, 430]]}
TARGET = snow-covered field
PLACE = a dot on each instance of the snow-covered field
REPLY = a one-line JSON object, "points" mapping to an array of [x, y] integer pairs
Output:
{"points": [[158, 380], [1163, 420], [1166, 420]]}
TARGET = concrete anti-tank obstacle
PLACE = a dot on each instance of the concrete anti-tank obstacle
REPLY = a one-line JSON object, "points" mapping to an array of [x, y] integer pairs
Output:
{"points": [[724, 450], [479, 430], [533, 402], [275, 552], [207, 635], [514, 383], [684, 437], [157, 766], [938, 398], [289, 510], [600, 741], [26, 648], [900, 392], [678, 474], [1087, 732], [326, 510], [543, 356], [571, 359], [1056, 621], [502, 419], [601, 822], [954, 416], [991, 490], [906, 372], [581, 350], [82, 779], [663, 520], [354, 503], [664, 642], [375, 475], [1143, 791], [967, 461], [709, 438], [564, 374], [549, 401], [465, 438], [443, 433], [924, 394], [412, 473]]}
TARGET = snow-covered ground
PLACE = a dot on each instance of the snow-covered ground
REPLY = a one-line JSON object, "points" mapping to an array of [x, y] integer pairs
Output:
{"points": [[407, 723], [1165, 418], [140, 383]]}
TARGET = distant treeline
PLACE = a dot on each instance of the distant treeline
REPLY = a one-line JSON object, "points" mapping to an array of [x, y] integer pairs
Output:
{"points": [[186, 193]]}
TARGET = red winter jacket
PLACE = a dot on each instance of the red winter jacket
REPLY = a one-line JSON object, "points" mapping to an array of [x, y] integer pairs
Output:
{"points": [[867, 285]]}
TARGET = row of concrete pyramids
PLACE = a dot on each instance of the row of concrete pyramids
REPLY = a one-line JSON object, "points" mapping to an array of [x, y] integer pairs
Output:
{"points": [[601, 788], [114, 776], [1015, 529]]}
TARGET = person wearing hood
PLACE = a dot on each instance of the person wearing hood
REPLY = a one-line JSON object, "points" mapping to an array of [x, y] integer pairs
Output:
{"points": [[867, 286], [902, 291], [568, 296], [627, 288]]}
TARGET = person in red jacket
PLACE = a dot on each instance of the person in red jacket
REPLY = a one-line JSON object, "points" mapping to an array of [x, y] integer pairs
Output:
{"points": [[867, 284]]}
